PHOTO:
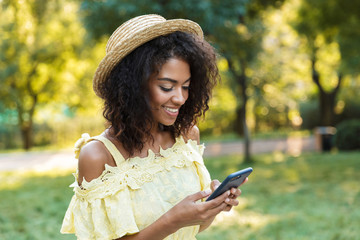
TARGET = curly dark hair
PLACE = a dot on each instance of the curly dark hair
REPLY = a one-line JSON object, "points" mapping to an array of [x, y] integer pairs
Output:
{"points": [[126, 97]]}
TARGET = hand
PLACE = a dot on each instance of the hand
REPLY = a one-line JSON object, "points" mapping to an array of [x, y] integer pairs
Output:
{"points": [[191, 212], [234, 193]]}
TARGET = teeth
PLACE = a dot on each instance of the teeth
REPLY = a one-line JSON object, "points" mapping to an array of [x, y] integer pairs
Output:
{"points": [[173, 110]]}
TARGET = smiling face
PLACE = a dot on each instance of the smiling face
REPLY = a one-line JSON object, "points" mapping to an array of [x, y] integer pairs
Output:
{"points": [[168, 90]]}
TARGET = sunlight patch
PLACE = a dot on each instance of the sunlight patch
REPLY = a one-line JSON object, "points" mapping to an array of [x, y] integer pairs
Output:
{"points": [[352, 189], [15, 179], [278, 156], [244, 218]]}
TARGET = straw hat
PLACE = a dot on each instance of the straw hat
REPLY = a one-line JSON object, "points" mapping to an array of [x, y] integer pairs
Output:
{"points": [[133, 34]]}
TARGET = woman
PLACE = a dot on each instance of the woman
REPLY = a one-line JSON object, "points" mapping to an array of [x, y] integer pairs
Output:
{"points": [[144, 176]]}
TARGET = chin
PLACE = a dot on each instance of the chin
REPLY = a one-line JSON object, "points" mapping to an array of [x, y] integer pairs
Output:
{"points": [[168, 124]]}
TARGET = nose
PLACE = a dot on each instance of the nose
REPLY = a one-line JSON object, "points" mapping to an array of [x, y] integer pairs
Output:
{"points": [[179, 97]]}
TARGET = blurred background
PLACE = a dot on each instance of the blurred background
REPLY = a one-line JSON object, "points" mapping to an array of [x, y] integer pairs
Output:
{"points": [[290, 68]]}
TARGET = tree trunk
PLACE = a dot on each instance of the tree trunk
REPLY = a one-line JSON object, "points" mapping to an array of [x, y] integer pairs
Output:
{"points": [[25, 118], [26, 134], [327, 104], [242, 82], [327, 100], [241, 126]]}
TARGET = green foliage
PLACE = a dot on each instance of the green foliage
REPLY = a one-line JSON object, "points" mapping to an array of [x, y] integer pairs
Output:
{"points": [[347, 108], [44, 60], [219, 119], [336, 21], [309, 112], [103, 17], [285, 198], [330, 29], [351, 110], [9, 133], [48, 61], [347, 136], [37, 41]]}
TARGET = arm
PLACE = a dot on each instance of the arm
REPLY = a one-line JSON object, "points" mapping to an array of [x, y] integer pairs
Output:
{"points": [[188, 212], [194, 134]]}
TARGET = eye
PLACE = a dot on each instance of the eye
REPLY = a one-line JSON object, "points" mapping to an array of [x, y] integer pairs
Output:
{"points": [[165, 89], [186, 87]]}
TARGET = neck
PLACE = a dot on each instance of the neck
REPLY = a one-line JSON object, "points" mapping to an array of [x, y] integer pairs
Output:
{"points": [[156, 128]]}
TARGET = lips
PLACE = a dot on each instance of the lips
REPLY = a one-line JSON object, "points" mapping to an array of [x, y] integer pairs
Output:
{"points": [[172, 110]]}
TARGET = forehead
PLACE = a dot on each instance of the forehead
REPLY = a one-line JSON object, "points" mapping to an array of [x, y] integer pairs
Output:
{"points": [[175, 68]]}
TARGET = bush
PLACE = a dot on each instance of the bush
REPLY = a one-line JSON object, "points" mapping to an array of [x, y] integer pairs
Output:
{"points": [[347, 136], [310, 114], [350, 111]]}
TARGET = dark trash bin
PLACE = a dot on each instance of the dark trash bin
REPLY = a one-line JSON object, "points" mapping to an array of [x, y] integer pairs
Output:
{"points": [[323, 137]]}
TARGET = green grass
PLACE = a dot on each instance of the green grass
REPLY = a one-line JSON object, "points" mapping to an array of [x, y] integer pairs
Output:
{"points": [[32, 205], [313, 196]]}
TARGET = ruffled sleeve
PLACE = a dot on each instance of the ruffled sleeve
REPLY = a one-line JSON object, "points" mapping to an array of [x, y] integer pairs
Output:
{"points": [[85, 137], [104, 218], [197, 152], [100, 209]]}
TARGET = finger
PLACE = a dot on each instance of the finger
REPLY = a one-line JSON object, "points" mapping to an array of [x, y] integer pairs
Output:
{"points": [[245, 180], [215, 211], [227, 208], [199, 195], [214, 184], [218, 200], [232, 202], [235, 192]]}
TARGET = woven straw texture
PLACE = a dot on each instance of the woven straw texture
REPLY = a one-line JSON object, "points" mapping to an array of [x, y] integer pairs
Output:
{"points": [[133, 34]]}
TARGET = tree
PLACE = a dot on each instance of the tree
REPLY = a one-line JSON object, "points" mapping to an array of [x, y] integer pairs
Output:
{"points": [[330, 26], [281, 83], [37, 40]]}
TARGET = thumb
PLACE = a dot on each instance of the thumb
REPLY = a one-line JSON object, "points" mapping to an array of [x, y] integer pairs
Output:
{"points": [[199, 195], [214, 184]]}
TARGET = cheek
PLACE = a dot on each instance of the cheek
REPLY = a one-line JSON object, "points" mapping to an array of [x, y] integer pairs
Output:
{"points": [[157, 98], [186, 95]]}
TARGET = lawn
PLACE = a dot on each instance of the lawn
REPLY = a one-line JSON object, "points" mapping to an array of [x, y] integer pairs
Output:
{"points": [[313, 196]]}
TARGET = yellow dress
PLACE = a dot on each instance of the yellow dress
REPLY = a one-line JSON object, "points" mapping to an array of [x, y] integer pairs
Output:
{"points": [[129, 197]]}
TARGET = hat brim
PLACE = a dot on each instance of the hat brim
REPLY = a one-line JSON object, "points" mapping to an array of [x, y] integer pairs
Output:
{"points": [[126, 46]]}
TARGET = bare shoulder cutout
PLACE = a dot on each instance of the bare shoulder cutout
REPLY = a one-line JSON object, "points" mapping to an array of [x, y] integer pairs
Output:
{"points": [[193, 133], [92, 159]]}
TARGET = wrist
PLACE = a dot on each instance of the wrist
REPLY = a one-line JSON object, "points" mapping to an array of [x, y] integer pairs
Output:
{"points": [[170, 222]]}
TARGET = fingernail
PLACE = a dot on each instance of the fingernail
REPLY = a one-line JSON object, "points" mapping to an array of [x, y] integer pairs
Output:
{"points": [[227, 200], [207, 191]]}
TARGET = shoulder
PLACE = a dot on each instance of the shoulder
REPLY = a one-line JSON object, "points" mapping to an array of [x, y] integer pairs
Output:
{"points": [[92, 159], [193, 133]]}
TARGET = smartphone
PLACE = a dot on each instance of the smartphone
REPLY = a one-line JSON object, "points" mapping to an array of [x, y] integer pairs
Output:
{"points": [[232, 181]]}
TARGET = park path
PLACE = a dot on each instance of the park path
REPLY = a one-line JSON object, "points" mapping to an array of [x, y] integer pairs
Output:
{"points": [[64, 159]]}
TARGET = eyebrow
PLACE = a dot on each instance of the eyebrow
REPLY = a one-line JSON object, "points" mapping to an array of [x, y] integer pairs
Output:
{"points": [[172, 80]]}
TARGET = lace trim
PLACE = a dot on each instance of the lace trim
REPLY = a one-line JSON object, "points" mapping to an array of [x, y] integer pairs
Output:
{"points": [[136, 171], [85, 137]]}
